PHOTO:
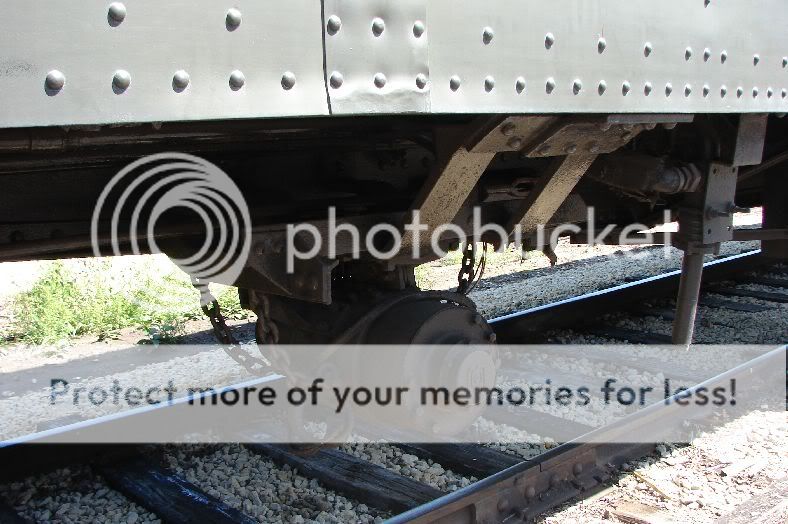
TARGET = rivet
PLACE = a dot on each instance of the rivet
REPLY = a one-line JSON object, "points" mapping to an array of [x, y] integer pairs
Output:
{"points": [[530, 492], [121, 80], [706, 54], [706, 3], [333, 24], [487, 35], [723, 91], [769, 93], [336, 80], [723, 56], [489, 83], [550, 85], [288, 80], [755, 92], [378, 26], [55, 80], [117, 12], [515, 143], [739, 92], [233, 18], [647, 49], [784, 93], [668, 89], [647, 88], [602, 87], [625, 88], [418, 28], [237, 80], [577, 86], [543, 149], [508, 129], [785, 61], [454, 83], [706, 91], [180, 80], [380, 80], [601, 45], [421, 81], [755, 60], [688, 53], [549, 40], [687, 90], [570, 149], [519, 84]]}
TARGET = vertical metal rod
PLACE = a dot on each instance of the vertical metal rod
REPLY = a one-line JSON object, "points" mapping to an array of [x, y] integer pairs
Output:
{"points": [[687, 300]]}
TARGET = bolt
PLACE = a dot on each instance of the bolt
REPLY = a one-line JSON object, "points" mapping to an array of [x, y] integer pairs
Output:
{"points": [[570, 149], [550, 85], [723, 57], [706, 54], [489, 84], [515, 143], [121, 80], [237, 80], [601, 45], [116, 12], [602, 87], [418, 28], [378, 26], [487, 35], [755, 60], [549, 40], [647, 49], [625, 88], [688, 53], [577, 86], [647, 88], [233, 19], [180, 80], [421, 81], [333, 24], [668, 89], [380, 80], [288, 80], [454, 83], [336, 80], [687, 90], [55, 80], [519, 84], [508, 129]]}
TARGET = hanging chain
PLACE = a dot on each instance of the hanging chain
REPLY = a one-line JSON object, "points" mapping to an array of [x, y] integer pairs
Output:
{"points": [[210, 306], [469, 277], [268, 331]]}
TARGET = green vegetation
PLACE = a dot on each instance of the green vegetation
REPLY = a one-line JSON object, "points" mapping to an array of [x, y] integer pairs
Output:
{"points": [[66, 303]]}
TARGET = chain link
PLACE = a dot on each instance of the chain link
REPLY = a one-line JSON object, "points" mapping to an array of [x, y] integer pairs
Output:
{"points": [[465, 277], [210, 306]]}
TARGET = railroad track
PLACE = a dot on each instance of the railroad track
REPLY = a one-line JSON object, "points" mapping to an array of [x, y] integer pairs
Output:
{"points": [[509, 486]]}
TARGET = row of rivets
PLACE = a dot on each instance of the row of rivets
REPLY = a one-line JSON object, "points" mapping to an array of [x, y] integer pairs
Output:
{"points": [[116, 14], [577, 86], [336, 80], [121, 80], [334, 24]]}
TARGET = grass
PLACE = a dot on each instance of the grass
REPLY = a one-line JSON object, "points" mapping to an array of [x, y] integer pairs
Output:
{"points": [[64, 304]]}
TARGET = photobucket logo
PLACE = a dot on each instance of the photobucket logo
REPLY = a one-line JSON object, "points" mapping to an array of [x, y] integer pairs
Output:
{"points": [[174, 188]]}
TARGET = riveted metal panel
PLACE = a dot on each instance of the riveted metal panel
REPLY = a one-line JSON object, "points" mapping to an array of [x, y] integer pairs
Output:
{"points": [[599, 55], [376, 56], [277, 48]]}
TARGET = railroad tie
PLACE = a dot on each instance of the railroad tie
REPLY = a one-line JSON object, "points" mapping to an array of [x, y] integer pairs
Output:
{"points": [[358, 479], [466, 459], [170, 497]]}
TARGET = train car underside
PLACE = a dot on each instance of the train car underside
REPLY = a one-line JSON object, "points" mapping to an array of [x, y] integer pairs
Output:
{"points": [[518, 172]]}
